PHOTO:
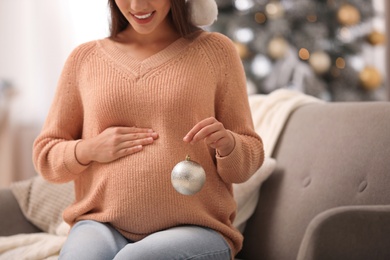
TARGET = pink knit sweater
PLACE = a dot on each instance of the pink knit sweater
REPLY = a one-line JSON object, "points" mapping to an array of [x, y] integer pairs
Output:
{"points": [[170, 92]]}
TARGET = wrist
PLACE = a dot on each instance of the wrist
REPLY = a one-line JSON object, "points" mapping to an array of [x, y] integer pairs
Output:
{"points": [[224, 153], [229, 149], [80, 154]]}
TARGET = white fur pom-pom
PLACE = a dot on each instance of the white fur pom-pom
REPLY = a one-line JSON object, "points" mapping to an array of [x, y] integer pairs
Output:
{"points": [[202, 12]]}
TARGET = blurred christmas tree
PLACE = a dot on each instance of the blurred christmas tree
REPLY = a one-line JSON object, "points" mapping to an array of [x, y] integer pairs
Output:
{"points": [[315, 46]]}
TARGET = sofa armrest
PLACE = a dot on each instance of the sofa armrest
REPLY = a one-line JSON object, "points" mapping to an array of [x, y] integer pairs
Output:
{"points": [[349, 232], [12, 220]]}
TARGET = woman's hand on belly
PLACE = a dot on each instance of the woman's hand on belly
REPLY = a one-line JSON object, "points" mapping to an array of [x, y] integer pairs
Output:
{"points": [[114, 143]]}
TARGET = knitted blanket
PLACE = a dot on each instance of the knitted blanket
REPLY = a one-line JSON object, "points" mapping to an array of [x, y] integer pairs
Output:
{"points": [[35, 246], [270, 113]]}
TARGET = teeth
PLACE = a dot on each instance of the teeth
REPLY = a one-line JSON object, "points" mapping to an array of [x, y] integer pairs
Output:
{"points": [[143, 16]]}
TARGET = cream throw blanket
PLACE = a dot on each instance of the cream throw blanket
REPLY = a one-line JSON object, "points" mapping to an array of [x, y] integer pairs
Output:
{"points": [[35, 246], [270, 113]]}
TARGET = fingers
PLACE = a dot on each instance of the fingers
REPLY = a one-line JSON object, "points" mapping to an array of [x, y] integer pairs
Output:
{"points": [[136, 142], [200, 131], [129, 151], [121, 130], [116, 142], [125, 134], [215, 139], [127, 138], [208, 129], [214, 135]]}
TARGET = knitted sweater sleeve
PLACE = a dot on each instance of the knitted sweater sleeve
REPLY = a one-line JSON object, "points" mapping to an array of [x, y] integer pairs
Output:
{"points": [[232, 109], [54, 149]]}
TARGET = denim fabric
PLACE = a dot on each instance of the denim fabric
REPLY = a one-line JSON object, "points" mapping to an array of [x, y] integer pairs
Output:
{"points": [[93, 240]]}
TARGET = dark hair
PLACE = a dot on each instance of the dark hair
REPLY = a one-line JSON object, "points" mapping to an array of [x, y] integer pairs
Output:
{"points": [[178, 15]]}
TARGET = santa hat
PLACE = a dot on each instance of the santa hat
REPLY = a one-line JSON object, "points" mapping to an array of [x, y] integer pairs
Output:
{"points": [[202, 12]]}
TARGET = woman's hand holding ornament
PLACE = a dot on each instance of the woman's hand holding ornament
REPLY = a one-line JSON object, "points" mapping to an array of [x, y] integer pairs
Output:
{"points": [[188, 177], [214, 134], [114, 143]]}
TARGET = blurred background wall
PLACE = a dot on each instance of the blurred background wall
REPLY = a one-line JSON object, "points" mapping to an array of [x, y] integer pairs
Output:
{"points": [[320, 47], [36, 36], [387, 11]]}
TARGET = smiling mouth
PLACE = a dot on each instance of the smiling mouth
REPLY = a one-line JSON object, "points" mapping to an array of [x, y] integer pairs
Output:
{"points": [[143, 17]]}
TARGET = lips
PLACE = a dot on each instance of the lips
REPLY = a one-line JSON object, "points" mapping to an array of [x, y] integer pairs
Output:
{"points": [[143, 17]]}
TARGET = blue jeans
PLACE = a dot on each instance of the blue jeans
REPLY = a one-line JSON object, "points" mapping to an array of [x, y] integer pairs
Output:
{"points": [[93, 240]]}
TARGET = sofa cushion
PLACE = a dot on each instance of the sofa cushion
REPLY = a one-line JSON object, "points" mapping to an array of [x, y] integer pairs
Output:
{"points": [[12, 220], [42, 203]]}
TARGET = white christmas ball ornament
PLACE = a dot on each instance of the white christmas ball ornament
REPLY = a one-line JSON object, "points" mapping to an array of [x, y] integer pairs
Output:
{"points": [[188, 177], [202, 12]]}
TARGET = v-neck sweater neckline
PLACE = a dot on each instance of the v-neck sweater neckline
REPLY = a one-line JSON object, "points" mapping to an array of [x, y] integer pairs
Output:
{"points": [[137, 66]]}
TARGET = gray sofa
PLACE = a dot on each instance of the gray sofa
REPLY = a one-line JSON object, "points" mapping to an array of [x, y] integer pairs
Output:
{"points": [[329, 197]]}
